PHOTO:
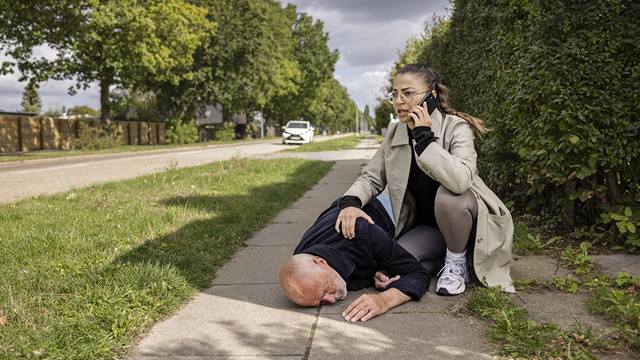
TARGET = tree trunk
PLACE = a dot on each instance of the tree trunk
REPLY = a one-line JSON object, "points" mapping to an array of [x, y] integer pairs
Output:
{"points": [[612, 185], [105, 106], [568, 213]]}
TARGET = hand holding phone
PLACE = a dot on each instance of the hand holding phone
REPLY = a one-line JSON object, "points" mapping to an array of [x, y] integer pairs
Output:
{"points": [[420, 114]]}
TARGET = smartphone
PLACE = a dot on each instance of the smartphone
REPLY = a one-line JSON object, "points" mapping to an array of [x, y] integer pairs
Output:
{"points": [[432, 103]]}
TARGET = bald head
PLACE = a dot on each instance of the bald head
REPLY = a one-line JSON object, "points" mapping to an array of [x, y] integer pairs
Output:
{"points": [[308, 280]]}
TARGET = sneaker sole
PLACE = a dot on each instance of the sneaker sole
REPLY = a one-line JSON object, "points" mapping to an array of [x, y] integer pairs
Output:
{"points": [[445, 292]]}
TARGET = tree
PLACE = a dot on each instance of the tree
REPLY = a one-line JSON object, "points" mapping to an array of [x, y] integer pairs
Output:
{"points": [[244, 64], [332, 108], [83, 110], [316, 62], [366, 121], [114, 42], [381, 113], [30, 98], [138, 106]]}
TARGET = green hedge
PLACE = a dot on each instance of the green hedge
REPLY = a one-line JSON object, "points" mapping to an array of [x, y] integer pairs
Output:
{"points": [[559, 84]]}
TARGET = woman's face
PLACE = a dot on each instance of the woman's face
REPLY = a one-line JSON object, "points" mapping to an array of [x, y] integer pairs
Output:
{"points": [[413, 88]]}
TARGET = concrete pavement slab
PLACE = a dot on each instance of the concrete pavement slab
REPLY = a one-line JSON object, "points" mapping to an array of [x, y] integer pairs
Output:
{"points": [[254, 265], [279, 234], [562, 309], [430, 303], [215, 357], [254, 321], [612, 264], [299, 213], [400, 336], [327, 191], [538, 267]]}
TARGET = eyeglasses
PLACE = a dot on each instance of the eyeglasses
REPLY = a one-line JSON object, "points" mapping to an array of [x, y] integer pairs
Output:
{"points": [[406, 96]]}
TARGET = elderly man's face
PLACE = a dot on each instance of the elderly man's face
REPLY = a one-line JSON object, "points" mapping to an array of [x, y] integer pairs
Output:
{"points": [[310, 281], [330, 287]]}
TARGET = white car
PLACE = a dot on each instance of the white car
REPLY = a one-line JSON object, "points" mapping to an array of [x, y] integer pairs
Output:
{"points": [[297, 132]]}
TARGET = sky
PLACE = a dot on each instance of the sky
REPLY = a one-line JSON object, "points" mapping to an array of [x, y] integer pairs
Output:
{"points": [[367, 33]]}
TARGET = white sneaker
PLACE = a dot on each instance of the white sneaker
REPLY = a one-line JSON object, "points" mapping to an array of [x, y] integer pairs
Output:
{"points": [[453, 279]]}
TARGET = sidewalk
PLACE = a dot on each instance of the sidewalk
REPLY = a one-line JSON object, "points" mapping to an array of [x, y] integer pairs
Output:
{"points": [[245, 315]]}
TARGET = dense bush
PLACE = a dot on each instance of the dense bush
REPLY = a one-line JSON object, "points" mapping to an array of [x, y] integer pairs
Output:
{"points": [[181, 132], [97, 138], [559, 84], [225, 132]]}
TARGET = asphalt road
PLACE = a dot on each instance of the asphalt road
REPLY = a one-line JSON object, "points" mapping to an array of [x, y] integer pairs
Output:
{"points": [[50, 176]]}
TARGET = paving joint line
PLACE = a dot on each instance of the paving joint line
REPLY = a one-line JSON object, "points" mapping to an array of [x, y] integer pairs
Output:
{"points": [[314, 326]]}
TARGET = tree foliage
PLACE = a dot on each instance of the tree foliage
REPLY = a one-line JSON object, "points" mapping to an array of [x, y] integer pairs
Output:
{"points": [[382, 113], [114, 42], [83, 110], [30, 98], [332, 108], [316, 62], [165, 59]]}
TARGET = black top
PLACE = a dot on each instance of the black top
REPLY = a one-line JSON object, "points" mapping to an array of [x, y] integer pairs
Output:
{"points": [[422, 186], [373, 249]]}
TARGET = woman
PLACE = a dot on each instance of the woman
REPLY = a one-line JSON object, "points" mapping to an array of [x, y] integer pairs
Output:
{"points": [[428, 163]]}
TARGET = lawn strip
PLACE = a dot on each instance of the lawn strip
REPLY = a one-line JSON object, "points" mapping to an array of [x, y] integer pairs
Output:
{"points": [[86, 272], [344, 143]]}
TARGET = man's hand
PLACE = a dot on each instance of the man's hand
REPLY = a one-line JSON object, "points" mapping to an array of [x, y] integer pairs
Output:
{"points": [[381, 280], [347, 221], [368, 306]]}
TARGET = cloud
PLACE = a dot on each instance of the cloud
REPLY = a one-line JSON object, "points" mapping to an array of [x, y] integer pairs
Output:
{"points": [[53, 93], [369, 34], [373, 11]]}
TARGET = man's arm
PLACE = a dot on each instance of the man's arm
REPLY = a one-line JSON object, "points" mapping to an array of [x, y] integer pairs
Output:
{"points": [[368, 306], [414, 278]]}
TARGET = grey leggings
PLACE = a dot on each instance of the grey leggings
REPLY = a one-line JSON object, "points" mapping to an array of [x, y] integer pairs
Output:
{"points": [[455, 217]]}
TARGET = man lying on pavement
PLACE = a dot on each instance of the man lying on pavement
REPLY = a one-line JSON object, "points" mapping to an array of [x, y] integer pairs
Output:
{"points": [[325, 264]]}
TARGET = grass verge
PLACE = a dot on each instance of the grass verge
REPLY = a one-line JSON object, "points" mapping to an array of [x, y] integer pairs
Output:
{"points": [[50, 154], [521, 338], [344, 143], [616, 299], [85, 272]]}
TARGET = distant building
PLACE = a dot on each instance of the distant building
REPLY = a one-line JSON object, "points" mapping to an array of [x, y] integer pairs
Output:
{"points": [[209, 115]]}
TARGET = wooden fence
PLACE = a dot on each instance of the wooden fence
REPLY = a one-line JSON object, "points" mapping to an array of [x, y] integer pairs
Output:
{"points": [[26, 133]]}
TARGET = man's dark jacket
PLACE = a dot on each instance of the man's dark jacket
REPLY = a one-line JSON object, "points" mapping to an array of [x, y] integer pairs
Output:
{"points": [[373, 249]]}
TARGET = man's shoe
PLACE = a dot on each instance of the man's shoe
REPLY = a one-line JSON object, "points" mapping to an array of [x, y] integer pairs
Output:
{"points": [[453, 279]]}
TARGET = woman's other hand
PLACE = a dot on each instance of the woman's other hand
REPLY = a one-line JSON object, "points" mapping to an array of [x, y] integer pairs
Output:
{"points": [[420, 115], [347, 221]]}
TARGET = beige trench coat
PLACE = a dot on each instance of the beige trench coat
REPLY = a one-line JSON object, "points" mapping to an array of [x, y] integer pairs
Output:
{"points": [[451, 160]]}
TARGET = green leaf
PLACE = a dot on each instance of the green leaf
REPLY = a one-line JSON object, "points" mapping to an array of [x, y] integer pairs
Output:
{"points": [[573, 139], [621, 227], [631, 227], [618, 217], [628, 212]]}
